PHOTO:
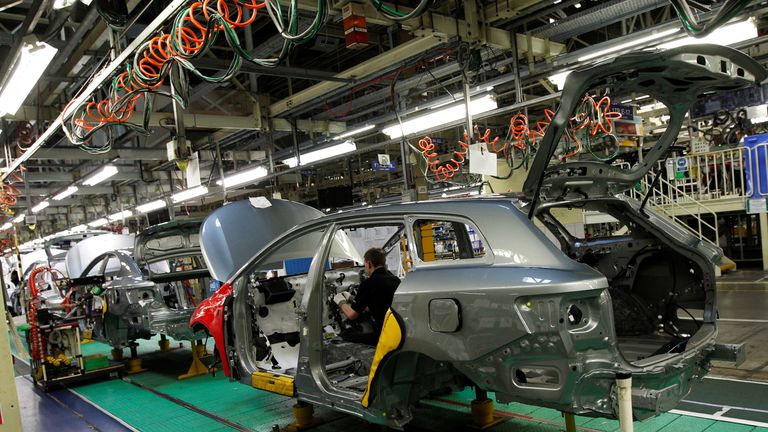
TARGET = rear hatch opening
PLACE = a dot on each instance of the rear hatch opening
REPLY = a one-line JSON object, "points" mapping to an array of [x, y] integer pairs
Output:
{"points": [[657, 292]]}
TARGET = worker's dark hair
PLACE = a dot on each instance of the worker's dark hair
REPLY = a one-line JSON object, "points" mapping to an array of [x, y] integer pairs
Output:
{"points": [[376, 256]]}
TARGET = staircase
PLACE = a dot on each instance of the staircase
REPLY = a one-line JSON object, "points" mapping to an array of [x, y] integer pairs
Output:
{"points": [[671, 199]]}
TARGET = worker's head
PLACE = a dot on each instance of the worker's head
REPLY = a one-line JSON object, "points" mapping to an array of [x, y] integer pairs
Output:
{"points": [[373, 259]]}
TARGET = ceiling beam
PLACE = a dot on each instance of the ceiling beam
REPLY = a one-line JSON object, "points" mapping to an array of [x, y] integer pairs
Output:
{"points": [[375, 65]]}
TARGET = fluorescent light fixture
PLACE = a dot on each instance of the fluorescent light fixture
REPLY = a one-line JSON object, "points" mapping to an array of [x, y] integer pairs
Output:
{"points": [[98, 223], [558, 79], [65, 193], [120, 215], [150, 206], [61, 4], [440, 117], [40, 206], [629, 44], [188, 194], [6, 226], [726, 35], [19, 218], [79, 228], [353, 132], [324, 153], [635, 99], [100, 175], [246, 176], [650, 107], [34, 57]]}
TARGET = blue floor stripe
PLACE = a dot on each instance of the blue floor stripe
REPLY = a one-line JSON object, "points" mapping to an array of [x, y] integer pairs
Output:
{"points": [[41, 413]]}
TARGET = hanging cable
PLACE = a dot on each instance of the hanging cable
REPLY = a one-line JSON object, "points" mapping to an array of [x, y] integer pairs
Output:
{"points": [[693, 27], [194, 30], [398, 16]]}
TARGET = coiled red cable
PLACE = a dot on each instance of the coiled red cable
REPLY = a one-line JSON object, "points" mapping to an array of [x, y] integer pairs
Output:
{"points": [[146, 73], [36, 338]]}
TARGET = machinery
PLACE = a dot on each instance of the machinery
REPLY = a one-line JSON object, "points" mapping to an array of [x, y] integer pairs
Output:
{"points": [[54, 336]]}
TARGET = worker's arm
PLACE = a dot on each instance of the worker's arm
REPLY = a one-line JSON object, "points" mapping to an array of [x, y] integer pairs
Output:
{"points": [[348, 311]]}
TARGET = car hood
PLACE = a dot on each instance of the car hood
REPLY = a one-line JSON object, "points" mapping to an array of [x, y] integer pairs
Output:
{"points": [[233, 234], [87, 250], [675, 77], [168, 240]]}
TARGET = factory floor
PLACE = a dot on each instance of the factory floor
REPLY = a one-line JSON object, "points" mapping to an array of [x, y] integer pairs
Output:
{"points": [[730, 399]]}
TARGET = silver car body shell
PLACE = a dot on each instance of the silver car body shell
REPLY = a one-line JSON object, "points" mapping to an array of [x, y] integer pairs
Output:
{"points": [[133, 299], [499, 330], [514, 302]]}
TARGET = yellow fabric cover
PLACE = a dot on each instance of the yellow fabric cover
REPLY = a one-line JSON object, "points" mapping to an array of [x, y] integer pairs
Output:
{"points": [[391, 336]]}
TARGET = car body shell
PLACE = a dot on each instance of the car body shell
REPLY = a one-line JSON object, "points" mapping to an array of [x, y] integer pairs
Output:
{"points": [[142, 295], [501, 321]]}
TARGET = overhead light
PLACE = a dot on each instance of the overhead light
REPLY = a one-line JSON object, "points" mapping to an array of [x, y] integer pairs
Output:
{"points": [[354, 132], [726, 35], [150, 206], [100, 175], [635, 99], [577, 5], [629, 44], [79, 228], [6, 226], [650, 107], [19, 218], [120, 215], [551, 20], [324, 153], [98, 223], [558, 79], [188, 194], [62, 4], [34, 57], [441, 117], [246, 176], [40, 206], [65, 193]]}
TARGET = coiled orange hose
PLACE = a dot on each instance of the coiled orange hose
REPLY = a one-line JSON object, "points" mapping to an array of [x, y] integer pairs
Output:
{"points": [[446, 171], [147, 70], [36, 338]]}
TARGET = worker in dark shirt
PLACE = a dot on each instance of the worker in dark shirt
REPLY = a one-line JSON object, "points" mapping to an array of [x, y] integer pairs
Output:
{"points": [[375, 293]]}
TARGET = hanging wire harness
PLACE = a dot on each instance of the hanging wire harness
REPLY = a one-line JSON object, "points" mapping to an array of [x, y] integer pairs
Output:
{"points": [[193, 32]]}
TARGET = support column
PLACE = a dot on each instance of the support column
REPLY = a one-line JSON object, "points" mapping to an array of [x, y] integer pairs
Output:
{"points": [[764, 238], [9, 399]]}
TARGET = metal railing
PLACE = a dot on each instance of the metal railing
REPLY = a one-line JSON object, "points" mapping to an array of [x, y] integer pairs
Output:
{"points": [[718, 175], [666, 195]]}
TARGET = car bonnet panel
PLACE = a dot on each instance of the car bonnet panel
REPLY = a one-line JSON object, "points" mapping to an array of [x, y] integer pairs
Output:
{"points": [[233, 234]]}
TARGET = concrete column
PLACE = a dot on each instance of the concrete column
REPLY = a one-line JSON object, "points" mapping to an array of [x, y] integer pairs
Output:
{"points": [[764, 238], [9, 400]]}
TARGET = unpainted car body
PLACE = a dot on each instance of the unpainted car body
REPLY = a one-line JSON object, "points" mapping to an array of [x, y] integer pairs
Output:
{"points": [[52, 255], [144, 286], [505, 309]]}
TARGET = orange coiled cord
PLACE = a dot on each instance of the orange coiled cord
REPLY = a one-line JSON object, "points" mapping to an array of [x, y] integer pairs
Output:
{"points": [[146, 72], [9, 193], [36, 338], [446, 171], [25, 135]]}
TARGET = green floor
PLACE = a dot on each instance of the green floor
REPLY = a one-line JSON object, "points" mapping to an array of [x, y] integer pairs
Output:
{"points": [[259, 411]]}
